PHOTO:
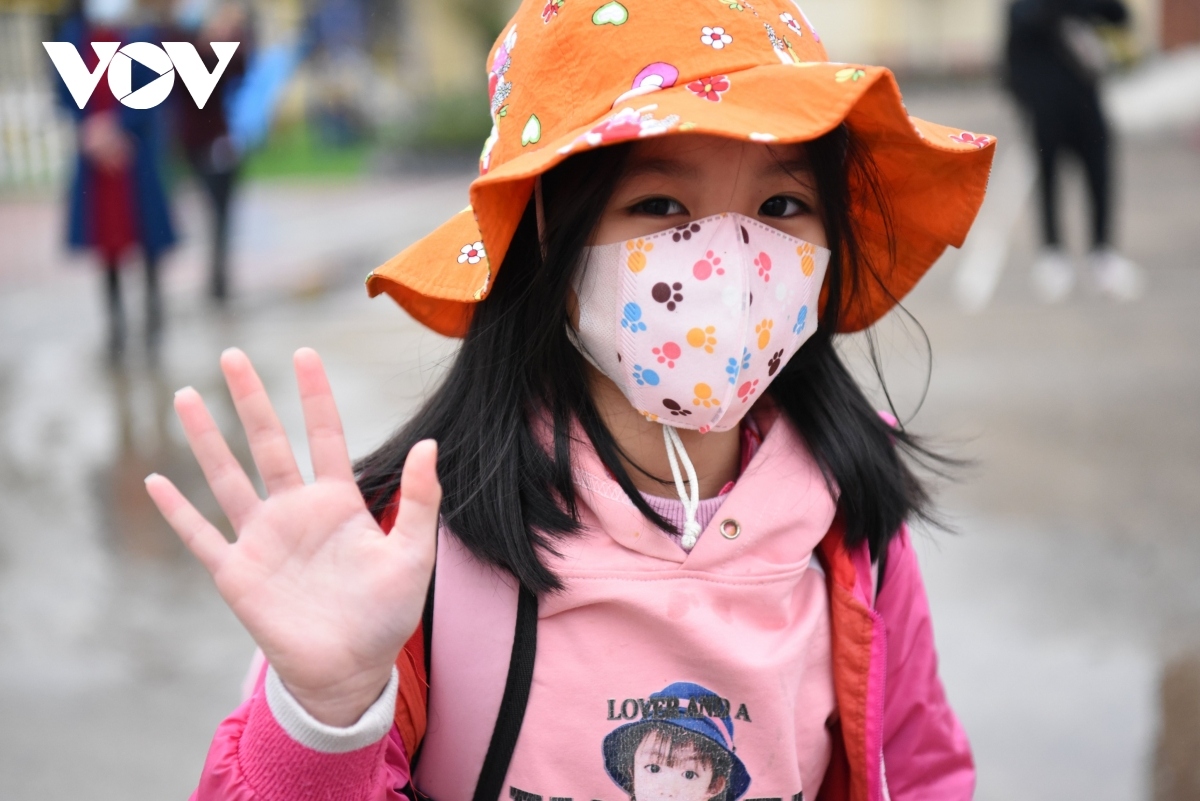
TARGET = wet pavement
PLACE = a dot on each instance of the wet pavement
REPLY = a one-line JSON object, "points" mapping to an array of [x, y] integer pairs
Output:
{"points": [[1066, 596]]}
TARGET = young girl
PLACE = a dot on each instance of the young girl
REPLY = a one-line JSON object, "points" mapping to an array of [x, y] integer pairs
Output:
{"points": [[647, 466]]}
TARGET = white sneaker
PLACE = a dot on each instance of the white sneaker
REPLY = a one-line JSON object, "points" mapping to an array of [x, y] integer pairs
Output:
{"points": [[1115, 276], [1053, 276]]}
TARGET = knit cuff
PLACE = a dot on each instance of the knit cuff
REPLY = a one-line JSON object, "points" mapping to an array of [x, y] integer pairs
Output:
{"points": [[312, 733]]}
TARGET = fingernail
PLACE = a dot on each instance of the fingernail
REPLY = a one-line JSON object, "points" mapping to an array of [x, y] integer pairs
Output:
{"points": [[182, 390], [146, 480]]}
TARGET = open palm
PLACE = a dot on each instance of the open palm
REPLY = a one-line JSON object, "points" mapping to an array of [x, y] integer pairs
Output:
{"points": [[327, 596]]}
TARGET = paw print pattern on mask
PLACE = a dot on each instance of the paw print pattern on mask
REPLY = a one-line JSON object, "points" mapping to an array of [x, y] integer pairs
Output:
{"points": [[675, 409], [704, 268], [763, 263], [669, 294], [808, 258], [632, 318], [685, 232], [763, 330], [703, 323], [733, 369], [638, 248], [704, 396], [801, 319], [703, 338], [645, 376], [774, 362], [667, 354]]}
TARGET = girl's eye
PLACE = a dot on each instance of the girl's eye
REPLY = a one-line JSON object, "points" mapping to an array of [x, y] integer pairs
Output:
{"points": [[691, 774], [658, 207], [783, 206], [652, 768]]}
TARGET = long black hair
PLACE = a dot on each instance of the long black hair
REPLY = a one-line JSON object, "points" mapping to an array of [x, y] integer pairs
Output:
{"points": [[508, 498]]}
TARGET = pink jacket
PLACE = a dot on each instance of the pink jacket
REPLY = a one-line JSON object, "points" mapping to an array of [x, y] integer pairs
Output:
{"points": [[894, 735]]}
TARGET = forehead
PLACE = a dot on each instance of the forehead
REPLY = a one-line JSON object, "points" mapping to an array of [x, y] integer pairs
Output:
{"points": [[657, 745], [696, 155]]}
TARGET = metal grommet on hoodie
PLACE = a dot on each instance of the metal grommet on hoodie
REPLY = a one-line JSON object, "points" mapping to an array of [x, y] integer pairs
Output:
{"points": [[730, 529]]}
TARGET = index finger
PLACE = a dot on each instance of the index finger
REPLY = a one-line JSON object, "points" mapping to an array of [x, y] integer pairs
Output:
{"points": [[326, 440]]}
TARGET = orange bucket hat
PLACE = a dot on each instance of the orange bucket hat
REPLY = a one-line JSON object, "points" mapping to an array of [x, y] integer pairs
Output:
{"points": [[569, 75]]}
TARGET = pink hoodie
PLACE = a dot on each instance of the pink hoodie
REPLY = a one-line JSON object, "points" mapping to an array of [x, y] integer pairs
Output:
{"points": [[746, 622]]}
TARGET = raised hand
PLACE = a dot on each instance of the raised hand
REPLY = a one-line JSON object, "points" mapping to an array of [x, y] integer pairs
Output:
{"points": [[327, 596]]}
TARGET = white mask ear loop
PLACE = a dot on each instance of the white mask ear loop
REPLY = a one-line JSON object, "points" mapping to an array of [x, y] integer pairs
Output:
{"points": [[691, 501]]}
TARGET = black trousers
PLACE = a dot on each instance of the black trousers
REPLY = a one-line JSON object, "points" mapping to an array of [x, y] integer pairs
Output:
{"points": [[116, 307], [218, 176], [1072, 122]]}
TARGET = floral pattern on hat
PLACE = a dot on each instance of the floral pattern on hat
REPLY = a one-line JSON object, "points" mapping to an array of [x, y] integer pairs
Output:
{"points": [[471, 253], [626, 124], [499, 88], [968, 138], [710, 88], [551, 9], [782, 47], [715, 37], [792, 23], [652, 78]]}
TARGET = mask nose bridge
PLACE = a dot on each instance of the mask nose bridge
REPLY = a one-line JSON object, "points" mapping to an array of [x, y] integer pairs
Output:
{"points": [[732, 223]]}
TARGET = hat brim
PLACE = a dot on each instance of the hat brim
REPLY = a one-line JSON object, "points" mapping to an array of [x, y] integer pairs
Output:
{"points": [[934, 178]]}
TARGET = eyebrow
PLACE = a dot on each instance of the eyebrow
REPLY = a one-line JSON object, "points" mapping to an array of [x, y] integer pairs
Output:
{"points": [[797, 166], [670, 168]]}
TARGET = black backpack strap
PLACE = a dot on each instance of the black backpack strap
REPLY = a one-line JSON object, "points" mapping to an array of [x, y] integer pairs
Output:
{"points": [[881, 572], [513, 702]]}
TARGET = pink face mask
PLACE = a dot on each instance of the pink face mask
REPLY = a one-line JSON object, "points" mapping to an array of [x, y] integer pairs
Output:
{"points": [[693, 323]]}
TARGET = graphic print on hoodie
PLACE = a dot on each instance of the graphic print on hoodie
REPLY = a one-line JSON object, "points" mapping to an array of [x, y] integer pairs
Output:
{"points": [[681, 749]]}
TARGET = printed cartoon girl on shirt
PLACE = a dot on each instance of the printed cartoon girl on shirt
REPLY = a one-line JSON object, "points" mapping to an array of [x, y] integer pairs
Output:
{"points": [[681, 750]]}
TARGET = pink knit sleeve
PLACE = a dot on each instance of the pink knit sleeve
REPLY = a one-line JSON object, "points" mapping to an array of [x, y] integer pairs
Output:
{"points": [[253, 759], [926, 752]]}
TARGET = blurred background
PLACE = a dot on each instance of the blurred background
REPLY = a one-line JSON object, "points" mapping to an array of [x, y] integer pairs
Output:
{"points": [[1066, 599]]}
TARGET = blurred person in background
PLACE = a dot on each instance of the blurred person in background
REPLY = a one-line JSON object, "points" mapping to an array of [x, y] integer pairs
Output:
{"points": [[1054, 59], [204, 133], [117, 202]]}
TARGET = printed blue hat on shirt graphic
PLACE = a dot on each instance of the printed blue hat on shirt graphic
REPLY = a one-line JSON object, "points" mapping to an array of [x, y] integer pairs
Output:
{"points": [[682, 747]]}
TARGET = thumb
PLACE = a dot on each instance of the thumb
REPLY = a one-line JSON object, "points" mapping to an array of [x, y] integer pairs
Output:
{"points": [[420, 493]]}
